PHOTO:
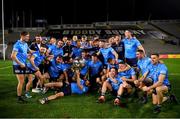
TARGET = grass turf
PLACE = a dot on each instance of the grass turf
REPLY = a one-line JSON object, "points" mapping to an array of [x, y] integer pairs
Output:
{"points": [[75, 106]]}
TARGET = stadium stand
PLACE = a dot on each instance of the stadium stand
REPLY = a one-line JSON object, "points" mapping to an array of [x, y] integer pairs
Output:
{"points": [[156, 36]]}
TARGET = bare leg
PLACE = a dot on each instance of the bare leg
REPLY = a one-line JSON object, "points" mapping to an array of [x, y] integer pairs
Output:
{"points": [[20, 78]]}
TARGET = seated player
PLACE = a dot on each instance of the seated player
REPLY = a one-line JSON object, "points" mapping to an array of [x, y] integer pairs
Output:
{"points": [[78, 87], [112, 83]]}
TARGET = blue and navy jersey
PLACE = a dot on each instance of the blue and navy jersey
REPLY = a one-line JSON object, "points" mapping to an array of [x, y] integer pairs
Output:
{"points": [[76, 52], [131, 45], [95, 68], [38, 59], [76, 90], [156, 70], [55, 68], [119, 48], [114, 85], [58, 51], [21, 48], [127, 74], [107, 53], [84, 70], [143, 64]]}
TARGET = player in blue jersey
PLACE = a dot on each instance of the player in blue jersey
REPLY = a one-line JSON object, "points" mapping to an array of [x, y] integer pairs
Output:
{"points": [[51, 47], [20, 56], [33, 66], [131, 45], [107, 52], [77, 50], [56, 72], [142, 66], [58, 49], [95, 71], [159, 73], [112, 83], [127, 75], [78, 87]]}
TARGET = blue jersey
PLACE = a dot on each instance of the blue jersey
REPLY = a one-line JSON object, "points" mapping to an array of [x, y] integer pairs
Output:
{"points": [[131, 46], [58, 51], [95, 68], [76, 52], [38, 58], [21, 48], [143, 64], [127, 74], [114, 85], [156, 70], [109, 66], [107, 53], [76, 90], [84, 70], [55, 68], [52, 49]]}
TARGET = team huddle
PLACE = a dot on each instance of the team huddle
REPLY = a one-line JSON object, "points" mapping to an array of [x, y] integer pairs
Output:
{"points": [[81, 65]]}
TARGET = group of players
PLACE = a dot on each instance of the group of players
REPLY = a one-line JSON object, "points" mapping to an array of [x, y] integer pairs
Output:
{"points": [[83, 65]]}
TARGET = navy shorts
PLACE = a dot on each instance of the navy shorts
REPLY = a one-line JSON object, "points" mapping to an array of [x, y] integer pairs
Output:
{"points": [[18, 70], [132, 62], [66, 89]]}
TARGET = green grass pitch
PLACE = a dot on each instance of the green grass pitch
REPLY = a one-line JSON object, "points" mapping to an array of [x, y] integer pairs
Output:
{"points": [[84, 106]]}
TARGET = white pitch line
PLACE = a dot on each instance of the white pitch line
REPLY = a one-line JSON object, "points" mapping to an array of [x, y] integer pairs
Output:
{"points": [[5, 67]]}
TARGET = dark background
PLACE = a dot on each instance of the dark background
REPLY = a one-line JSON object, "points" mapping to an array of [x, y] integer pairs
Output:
{"points": [[87, 11]]}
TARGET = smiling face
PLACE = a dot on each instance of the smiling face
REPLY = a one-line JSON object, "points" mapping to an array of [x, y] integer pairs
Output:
{"points": [[112, 72], [154, 59]]}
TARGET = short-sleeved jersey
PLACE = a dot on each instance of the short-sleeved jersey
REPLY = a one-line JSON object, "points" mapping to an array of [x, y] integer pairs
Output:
{"points": [[58, 52], [127, 74], [156, 70], [55, 68], [114, 85], [95, 68], [38, 59], [131, 46], [76, 90], [143, 64], [52, 49], [107, 53], [22, 51]]}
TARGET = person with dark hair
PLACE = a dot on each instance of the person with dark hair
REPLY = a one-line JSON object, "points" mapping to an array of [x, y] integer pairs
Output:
{"points": [[78, 87], [131, 45], [127, 75], [118, 46], [33, 66], [112, 83], [161, 85], [68, 48], [142, 65], [107, 52], [35, 46], [95, 71], [20, 56]]}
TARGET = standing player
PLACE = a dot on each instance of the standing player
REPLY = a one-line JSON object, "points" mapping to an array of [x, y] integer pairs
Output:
{"points": [[20, 56], [131, 45]]}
